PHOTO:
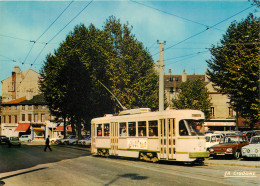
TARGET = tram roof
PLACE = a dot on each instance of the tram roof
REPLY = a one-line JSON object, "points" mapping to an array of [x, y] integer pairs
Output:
{"points": [[171, 113]]}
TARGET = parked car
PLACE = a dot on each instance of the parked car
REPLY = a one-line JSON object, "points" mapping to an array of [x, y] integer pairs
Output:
{"points": [[26, 138], [253, 149], [229, 146], [14, 141], [85, 141], [3, 140], [66, 140], [56, 139], [225, 133], [73, 141], [212, 139]]}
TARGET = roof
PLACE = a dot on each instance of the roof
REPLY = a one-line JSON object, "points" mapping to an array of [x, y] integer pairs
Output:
{"points": [[168, 83], [36, 100], [16, 101]]}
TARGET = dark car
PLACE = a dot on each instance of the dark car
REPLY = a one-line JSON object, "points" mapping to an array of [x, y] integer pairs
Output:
{"points": [[229, 146], [4, 140]]}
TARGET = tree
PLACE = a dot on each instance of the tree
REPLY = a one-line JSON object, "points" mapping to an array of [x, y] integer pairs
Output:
{"points": [[193, 95], [70, 77], [132, 76], [234, 67]]}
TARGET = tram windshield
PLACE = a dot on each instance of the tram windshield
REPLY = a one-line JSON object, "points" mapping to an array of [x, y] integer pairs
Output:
{"points": [[191, 128]]}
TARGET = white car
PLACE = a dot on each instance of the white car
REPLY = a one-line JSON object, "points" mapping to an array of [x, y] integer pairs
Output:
{"points": [[212, 139], [85, 141], [253, 149], [25, 138], [55, 140], [66, 141]]}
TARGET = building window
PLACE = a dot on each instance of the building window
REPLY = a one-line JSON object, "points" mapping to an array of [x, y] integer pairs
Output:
{"points": [[35, 106], [42, 117], [6, 108], [30, 107], [30, 117], [35, 117], [10, 119], [3, 119], [15, 107], [15, 118], [23, 107], [23, 117], [10, 107], [212, 111], [230, 112]]}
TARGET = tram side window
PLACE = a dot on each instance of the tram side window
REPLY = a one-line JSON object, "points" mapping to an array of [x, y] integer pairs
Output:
{"points": [[122, 129], [106, 129], [182, 129], [99, 129], [153, 128], [131, 128], [141, 128]]}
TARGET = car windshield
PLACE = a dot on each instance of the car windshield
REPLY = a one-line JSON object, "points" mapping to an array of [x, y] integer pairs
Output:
{"points": [[230, 139], [255, 140], [14, 138]]}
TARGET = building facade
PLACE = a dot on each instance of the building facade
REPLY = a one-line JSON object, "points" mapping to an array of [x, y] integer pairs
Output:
{"points": [[24, 110], [223, 117], [19, 84]]}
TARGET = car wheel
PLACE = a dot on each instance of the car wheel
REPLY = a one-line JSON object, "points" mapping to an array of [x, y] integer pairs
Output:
{"points": [[237, 155], [52, 141], [29, 141]]}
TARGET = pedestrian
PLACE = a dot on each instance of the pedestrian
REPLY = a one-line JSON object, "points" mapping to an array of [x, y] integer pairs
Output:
{"points": [[47, 144]]}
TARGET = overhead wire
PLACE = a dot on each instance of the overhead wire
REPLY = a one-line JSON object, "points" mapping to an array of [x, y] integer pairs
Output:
{"points": [[204, 30], [58, 34], [165, 12]]}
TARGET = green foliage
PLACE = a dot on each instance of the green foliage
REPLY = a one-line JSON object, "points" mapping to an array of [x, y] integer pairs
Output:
{"points": [[234, 67], [193, 95], [69, 78]]}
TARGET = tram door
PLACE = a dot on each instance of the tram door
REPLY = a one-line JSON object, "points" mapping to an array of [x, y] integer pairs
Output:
{"points": [[167, 138], [114, 138], [93, 142]]}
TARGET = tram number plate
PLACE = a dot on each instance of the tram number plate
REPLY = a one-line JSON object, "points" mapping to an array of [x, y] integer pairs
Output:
{"points": [[222, 154]]}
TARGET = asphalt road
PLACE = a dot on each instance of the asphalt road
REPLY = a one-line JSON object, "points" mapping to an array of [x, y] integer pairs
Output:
{"points": [[30, 165]]}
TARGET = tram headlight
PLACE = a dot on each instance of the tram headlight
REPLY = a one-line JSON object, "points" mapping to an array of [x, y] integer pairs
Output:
{"points": [[244, 150], [248, 150], [256, 150], [229, 149]]}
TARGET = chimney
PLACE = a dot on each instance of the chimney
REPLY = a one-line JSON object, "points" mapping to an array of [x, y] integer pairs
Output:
{"points": [[206, 76], [29, 95], [184, 76], [16, 69]]}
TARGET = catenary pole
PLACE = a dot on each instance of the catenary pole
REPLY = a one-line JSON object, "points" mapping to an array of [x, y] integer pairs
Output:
{"points": [[161, 77]]}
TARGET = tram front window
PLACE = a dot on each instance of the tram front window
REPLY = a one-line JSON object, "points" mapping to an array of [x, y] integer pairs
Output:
{"points": [[191, 128]]}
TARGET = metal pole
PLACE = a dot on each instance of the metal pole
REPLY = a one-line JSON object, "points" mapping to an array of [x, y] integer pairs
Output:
{"points": [[161, 78]]}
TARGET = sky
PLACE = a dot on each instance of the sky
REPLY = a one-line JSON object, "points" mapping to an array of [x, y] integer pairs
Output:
{"points": [[32, 29]]}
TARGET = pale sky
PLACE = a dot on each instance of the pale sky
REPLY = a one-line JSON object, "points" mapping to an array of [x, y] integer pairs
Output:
{"points": [[182, 24]]}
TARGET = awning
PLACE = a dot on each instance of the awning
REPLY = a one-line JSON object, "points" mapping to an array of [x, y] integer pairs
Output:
{"points": [[22, 127], [61, 129]]}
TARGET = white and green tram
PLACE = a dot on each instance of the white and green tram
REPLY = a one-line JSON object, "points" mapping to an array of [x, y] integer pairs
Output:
{"points": [[173, 135]]}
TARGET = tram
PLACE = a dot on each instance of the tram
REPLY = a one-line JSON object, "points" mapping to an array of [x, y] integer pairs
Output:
{"points": [[172, 135]]}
